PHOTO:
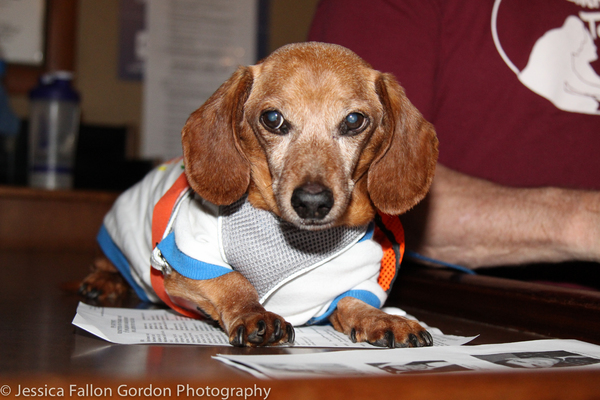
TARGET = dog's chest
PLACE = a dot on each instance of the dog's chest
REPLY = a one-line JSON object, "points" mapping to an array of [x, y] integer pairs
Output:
{"points": [[269, 252]]}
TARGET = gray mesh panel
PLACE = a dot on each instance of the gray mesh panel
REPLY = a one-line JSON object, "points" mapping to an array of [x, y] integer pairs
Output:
{"points": [[267, 250]]}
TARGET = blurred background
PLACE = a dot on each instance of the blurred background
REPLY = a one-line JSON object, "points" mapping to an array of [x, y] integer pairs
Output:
{"points": [[89, 37]]}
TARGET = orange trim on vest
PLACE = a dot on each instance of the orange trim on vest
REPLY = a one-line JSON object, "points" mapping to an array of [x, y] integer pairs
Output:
{"points": [[160, 219], [388, 271]]}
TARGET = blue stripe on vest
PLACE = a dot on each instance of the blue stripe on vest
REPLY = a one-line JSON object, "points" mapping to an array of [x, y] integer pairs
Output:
{"points": [[116, 256], [363, 295], [368, 233], [186, 265]]}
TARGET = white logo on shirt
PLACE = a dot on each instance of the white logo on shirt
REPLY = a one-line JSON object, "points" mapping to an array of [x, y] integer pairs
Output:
{"points": [[559, 64]]}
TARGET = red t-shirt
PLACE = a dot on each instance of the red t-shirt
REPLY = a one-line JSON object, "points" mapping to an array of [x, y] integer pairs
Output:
{"points": [[512, 86]]}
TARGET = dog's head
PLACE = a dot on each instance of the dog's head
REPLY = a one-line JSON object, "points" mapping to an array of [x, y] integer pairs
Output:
{"points": [[313, 134]]}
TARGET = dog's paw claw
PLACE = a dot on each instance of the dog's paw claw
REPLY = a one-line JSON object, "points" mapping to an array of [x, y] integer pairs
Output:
{"points": [[414, 342], [89, 292], [391, 339], [427, 338], [263, 329], [238, 340], [353, 335], [258, 335], [277, 333], [388, 340], [291, 334]]}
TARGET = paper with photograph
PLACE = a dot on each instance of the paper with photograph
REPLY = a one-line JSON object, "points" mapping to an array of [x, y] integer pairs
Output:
{"points": [[495, 357]]}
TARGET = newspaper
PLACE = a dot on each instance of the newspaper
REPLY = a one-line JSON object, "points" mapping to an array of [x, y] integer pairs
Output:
{"points": [[139, 326], [495, 357]]}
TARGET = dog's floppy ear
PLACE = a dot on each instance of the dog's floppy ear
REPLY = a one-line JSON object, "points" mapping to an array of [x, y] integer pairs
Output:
{"points": [[402, 171], [214, 163]]}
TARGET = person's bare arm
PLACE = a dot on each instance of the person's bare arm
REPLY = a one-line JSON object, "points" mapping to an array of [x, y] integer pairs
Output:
{"points": [[475, 223]]}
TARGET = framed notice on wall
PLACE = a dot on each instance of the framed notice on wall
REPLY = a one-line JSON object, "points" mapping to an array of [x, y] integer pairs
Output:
{"points": [[193, 47], [22, 31]]}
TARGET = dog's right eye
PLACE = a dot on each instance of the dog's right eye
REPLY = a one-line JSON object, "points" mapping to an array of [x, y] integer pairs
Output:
{"points": [[274, 121], [353, 124]]}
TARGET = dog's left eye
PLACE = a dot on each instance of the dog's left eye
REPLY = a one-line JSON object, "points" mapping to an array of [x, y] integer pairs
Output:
{"points": [[274, 121], [354, 123]]}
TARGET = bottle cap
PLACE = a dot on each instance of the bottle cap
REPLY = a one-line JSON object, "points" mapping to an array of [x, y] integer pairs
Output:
{"points": [[55, 86]]}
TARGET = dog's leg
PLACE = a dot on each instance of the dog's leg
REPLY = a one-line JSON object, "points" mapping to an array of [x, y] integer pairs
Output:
{"points": [[233, 302], [104, 285], [364, 323]]}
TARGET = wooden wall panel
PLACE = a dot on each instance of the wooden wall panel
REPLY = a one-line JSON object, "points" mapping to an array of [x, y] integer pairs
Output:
{"points": [[51, 220]]}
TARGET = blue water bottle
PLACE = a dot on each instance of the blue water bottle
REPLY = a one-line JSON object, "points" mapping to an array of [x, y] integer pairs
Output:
{"points": [[53, 130]]}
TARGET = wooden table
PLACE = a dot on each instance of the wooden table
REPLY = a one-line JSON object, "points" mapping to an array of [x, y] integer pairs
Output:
{"points": [[40, 350]]}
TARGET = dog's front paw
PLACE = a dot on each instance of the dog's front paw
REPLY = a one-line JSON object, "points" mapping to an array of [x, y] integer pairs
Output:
{"points": [[384, 330], [260, 329], [104, 288], [365, 323]]}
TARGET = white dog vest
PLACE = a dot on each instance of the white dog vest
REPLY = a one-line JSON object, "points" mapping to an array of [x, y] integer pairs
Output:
{"points": [[298, 274]]}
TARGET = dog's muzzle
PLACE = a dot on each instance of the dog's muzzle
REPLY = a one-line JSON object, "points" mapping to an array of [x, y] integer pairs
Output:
{"points": [[312, 201]]}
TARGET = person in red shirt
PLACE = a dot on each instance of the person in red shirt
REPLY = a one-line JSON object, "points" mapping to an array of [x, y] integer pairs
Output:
{"points": [[513, 89]]}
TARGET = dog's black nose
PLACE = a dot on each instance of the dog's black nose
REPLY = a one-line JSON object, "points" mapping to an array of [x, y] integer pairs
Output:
{"points": [[312, 201]]}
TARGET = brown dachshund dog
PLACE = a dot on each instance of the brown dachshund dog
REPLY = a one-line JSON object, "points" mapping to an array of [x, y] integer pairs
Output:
{"points": [[317, 137]]}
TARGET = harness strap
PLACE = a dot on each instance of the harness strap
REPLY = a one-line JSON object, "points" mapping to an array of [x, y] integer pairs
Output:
{"points": [[390, 235], [160, 219]]}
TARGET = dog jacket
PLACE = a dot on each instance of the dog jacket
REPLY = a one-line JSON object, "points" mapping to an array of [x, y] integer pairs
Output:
{"points": [[161, 224]]}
